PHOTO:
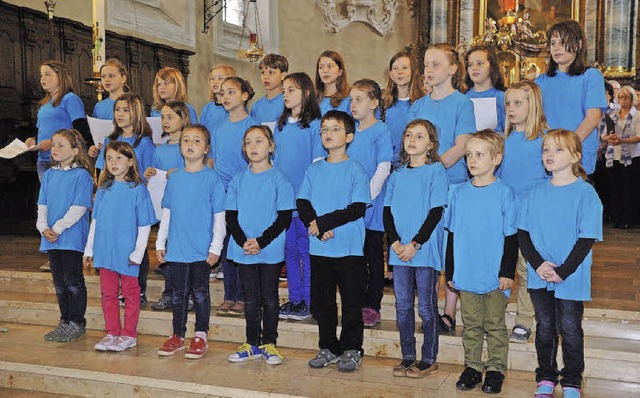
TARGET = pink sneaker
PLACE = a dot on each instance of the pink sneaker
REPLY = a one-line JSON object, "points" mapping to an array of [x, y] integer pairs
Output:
{"points": [[370, 317]]}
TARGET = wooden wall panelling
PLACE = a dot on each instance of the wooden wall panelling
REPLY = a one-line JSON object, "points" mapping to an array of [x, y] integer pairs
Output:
{"points": [[11, 76]]}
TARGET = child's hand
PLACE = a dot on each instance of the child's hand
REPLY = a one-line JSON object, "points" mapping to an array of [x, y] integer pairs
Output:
{"points": [[94, 150], [408, 252], [29, 142], [86, 260], [160, 254], [553, 277], [131, 262], [395, 246], [251, 246], [544, 270], [327, 235], [450, 284], [50, 235], [149, 172], [313, 228], [505, 283], [212, 259], [169, 172]]}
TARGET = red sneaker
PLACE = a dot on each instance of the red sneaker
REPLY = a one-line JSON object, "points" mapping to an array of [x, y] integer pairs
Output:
{"points": [[171, 346], [197, 348]]}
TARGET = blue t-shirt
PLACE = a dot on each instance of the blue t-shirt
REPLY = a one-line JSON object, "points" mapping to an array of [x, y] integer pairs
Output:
{"points": [[452, 116], [212, 114], [144, 152], [555, 217], [118, 212], [566, 99], [226, 148], [396, 118], [411, 194], [480, 218], [255, 216], [371, 147], [296, 148], [59, 190], [104, 109], [499, 96], [52, 119], [193, 199], [522, 166], [345, 105], [334, 186], [193, 115], [268, 110], [167, 157]]}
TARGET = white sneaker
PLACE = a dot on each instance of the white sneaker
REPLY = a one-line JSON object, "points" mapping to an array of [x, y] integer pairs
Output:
{"points": [[104, 343], [122, 343]]}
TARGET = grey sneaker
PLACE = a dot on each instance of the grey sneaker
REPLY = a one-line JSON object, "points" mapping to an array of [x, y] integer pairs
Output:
{"points": [[53, 335], [323, 358], [520, 334], [350, 361], [70, 331], [163, 304]]}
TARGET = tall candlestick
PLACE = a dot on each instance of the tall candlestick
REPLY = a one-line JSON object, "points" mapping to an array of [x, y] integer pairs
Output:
{"points": [[98, 35]]}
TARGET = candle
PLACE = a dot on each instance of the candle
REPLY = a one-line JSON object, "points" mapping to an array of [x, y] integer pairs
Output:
{"points": [[98, 35]]}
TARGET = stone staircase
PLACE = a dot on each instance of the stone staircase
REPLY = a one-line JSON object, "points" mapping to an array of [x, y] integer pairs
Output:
{"points": [[612, 352]]}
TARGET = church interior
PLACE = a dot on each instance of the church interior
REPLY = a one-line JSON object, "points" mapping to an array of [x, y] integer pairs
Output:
{"points": [[192, 36]]}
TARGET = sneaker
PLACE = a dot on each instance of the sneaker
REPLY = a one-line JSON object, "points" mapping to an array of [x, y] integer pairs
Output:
{"points": [[283, 273], [223, 309], [197, 348], [190, 303], [70, 331], [237, 309], [171, 346], [104, 343], [270, 354], [121, 300], [285, 310], [520, 334], [52, 335], [122, 343], [245, 353], [324, 358], [46, 267], [214, 272], [469, 379], [544, 389], [400, 370], [371, 318], [422, 369], [571, 392], [300, 312], [165, 303], [143, 299], [350, 361], [493, 382]]}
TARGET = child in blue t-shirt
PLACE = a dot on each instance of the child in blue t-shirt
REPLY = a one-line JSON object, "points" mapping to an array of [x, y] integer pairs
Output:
{"points": [[226, 154], [121, 221], [273, 68], [167, 157], [190, 237], [332, 85], [169, 85], [331, 203], [403, 89], [63, 221], [372, 147], [572, 92], [481, 220], [415, 198], [60, 109], [297, 137], [522, 169], [213, 112], [257, 242], [453, 115], [559, 222], [484, 79]]}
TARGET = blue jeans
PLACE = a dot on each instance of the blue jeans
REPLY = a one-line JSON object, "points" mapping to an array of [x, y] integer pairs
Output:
{"points": [[555, 317], [41, 167], [405, 282], [260, 284], [68, 279], [232, 286], [296, 251], [197, 275]]}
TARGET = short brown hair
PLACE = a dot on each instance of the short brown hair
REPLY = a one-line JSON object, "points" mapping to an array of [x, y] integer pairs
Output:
{"points": [[274, 61]]}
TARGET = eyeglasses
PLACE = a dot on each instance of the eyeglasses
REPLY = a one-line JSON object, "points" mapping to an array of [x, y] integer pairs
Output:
{"points": [[332, 129]]}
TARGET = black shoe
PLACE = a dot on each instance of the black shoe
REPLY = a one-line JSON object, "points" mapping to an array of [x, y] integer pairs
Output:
{"points": [[444, 327], [163, 304], [143, 299], [190, 302], [492, 382], [469, 379]]}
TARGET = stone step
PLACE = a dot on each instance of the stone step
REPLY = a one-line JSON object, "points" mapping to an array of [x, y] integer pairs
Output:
{"points": [[606, 357], [597, 322], [75, 369]]}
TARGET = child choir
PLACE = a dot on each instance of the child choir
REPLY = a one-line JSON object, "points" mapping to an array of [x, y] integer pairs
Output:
{"points": [[318, 176]]}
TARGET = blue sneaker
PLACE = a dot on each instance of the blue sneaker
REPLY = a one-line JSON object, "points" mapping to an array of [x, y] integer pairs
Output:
{"points": [[270, 354], [300, 312], [545, 389], [285, 310], [571, 392], [245, 353]]}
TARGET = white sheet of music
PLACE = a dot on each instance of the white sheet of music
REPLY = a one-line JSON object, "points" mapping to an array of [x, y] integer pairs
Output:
{"points": [[486, 113], [156, 186]]}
